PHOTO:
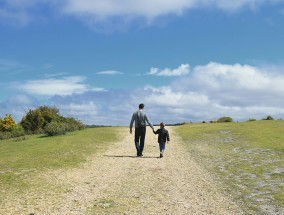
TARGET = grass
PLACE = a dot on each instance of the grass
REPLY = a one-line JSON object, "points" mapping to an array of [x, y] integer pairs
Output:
{"points": [[247, 158], [20, 160]]}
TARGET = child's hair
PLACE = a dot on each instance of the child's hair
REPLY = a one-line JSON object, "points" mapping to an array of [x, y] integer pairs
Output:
{"points": [[162, 124]]}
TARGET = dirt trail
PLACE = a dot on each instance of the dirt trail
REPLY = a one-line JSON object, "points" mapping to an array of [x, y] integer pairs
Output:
{"points": [[118, 182]]}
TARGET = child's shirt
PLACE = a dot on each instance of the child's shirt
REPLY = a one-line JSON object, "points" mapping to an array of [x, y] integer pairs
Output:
{"points": [[163, 135]]}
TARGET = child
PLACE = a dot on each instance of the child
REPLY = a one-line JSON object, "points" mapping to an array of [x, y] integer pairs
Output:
{"points": [[162, 138]]}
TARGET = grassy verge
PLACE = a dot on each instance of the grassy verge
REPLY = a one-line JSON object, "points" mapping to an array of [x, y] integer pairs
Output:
{"points": [[248, 158], [20, 160]]}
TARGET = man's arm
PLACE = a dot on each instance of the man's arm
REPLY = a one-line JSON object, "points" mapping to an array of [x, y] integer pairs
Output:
{"points": [[131, 123], [148, 121]]}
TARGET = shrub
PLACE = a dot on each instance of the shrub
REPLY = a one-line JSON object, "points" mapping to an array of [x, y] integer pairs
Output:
{"points": [[7, 123], [55, 128], [18, 131], [251, 119], [73, 124], [49, 114], [33, 122], [269, 118], [225, 119], [39, 120], [5, 135]]}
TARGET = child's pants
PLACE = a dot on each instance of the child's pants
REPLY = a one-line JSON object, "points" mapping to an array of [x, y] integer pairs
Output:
{"points": [[162, 147]]}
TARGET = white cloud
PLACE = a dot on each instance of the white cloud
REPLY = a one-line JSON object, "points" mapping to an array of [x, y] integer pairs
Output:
{"points": [[52, 75], [79, 110], [222, 78], [167, 97], [215, 90], [143, 8], [17, 105], [151, 9], [207, 93], [109, 72], [183, 69], [21, 100], [18, 12], [112, 13], [50, 87]]}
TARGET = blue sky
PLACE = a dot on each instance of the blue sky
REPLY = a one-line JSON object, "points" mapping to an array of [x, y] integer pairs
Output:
{"points": [[187, 60]]}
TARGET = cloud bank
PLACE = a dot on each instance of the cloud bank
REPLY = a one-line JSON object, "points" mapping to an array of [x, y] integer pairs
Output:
{"points": [[152, 9], [50, 87], [113, 13], [206, 93]]}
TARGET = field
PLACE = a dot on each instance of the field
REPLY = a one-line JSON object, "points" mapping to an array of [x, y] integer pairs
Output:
{"points": [[247, 158], [22, 161], [216, 168]]}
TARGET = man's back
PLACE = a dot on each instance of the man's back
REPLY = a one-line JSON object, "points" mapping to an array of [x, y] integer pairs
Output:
{"points": [[140, 118]]}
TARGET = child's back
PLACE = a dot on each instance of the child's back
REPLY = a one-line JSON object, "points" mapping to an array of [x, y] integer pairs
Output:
{"points": [[162, 138]]}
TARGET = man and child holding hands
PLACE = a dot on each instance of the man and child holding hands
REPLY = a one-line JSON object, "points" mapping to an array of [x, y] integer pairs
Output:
{"points": [[140, 118]]}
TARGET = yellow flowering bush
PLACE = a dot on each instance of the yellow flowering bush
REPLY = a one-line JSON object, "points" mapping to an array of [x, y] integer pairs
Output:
{"points": [[7, 123]]}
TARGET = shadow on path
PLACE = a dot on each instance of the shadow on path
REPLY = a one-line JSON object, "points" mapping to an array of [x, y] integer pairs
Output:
{"points": [[129, 156]]}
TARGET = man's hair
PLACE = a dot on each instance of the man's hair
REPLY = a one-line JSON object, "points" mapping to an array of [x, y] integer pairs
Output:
{"points": [[141, 106]]}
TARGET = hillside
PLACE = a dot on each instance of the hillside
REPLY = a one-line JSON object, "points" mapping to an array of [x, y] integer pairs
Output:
{"points": [[115, 181], [223, 168]]}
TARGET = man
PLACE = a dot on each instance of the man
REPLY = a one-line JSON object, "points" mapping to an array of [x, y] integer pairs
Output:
{"points": [[140, 118]]}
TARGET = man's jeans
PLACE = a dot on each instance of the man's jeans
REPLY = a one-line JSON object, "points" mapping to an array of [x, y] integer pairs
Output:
{"points": [[140, 133]]}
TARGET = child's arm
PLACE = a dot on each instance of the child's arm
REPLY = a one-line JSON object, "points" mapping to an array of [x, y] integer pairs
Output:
{"points": [[156, 132]]}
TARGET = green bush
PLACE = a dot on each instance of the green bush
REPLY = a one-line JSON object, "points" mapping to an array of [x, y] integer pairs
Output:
{"points": [[251, 119], [72, 124], [55, 128], [39, 120], [43, 119], [225, 119], [63, 125], [268, 118], [5, 135], [33, 122], [18, 131]]}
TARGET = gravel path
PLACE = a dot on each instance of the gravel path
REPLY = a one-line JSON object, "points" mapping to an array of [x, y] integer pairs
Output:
{"points": [[118, 182]]}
